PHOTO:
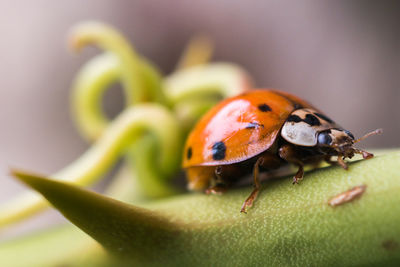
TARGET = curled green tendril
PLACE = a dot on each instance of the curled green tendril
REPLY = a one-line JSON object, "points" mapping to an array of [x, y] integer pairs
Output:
{"points": [[139, 79], [222, 79], [127, 128], [91, 82], [198, 51]]}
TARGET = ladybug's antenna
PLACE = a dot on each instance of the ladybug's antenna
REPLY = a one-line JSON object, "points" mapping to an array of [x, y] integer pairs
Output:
{"points": [[377, 131]]}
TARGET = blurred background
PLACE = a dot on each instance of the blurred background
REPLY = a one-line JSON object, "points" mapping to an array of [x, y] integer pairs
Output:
{"points": [[342, 56]]}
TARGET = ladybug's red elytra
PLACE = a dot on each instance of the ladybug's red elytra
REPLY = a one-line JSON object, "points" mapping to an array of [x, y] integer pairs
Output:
{"points": [[261, 130]]}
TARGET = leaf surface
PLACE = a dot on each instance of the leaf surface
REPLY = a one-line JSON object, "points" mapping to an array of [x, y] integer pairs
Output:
{"points": [[289, 225]]}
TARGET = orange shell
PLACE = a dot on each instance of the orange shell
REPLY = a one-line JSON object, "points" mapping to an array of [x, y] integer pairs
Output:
{"points": [[240, 125]]}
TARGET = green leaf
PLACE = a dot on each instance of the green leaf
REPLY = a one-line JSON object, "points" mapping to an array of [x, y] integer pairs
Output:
{"points": [[119, 227], [289, 225]]}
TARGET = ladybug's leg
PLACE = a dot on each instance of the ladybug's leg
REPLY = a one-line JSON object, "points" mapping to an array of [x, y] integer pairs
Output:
{"points": [[250, 200], [299, 174], [219, 185], [291, 155], [341, 162]]}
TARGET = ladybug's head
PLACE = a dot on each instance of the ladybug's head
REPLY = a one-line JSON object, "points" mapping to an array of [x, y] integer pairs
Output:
{"points": [[341, 142], [310, 128]]}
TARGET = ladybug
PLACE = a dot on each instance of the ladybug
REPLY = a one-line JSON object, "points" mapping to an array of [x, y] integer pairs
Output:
{"points": [[261, 130]]}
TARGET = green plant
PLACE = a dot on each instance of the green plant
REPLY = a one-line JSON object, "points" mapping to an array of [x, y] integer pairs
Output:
{"points": [[155, 224]]}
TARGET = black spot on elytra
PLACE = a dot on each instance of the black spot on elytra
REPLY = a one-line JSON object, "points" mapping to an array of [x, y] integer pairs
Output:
{"points": [[312, 120], [295, 105], [253, 125], [264, 107], [322, 116], [189, 153], [294, 118], [218, 151]]}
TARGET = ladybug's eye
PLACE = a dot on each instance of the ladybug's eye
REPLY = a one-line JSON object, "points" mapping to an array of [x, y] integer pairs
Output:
{"points": [[324, 138]]}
